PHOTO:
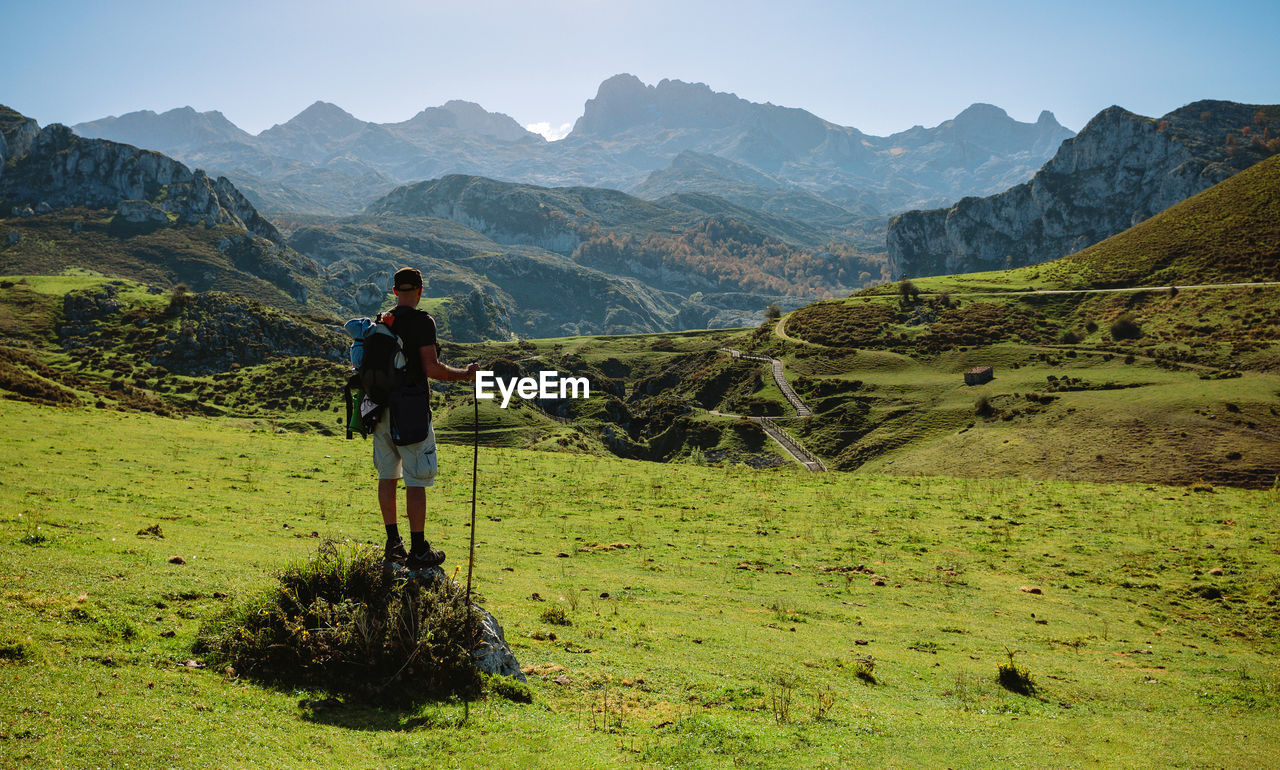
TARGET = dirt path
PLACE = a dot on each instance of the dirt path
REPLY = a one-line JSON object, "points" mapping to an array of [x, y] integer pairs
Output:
{"points": [[1194, 286], [780, 330]]}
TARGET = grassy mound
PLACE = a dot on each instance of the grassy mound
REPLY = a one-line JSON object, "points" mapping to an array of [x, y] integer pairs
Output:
{"points": [[1226, 233], [338, 621]]}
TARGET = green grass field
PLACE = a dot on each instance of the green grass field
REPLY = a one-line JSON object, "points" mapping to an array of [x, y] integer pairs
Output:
{"points": [[720, 616]]}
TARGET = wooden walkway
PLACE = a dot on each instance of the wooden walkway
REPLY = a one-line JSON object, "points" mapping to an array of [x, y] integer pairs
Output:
{"points": [[797, 403], [794, 448]]}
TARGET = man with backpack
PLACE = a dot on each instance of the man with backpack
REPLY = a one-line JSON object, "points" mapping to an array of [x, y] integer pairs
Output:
{"points": [[405, 418]]}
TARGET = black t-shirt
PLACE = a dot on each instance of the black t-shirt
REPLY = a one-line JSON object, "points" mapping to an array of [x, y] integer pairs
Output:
{"points": [[415, 329]]}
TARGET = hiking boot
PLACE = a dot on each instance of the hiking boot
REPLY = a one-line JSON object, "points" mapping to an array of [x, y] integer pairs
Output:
{"points": [[427, 558], [395, 553]]}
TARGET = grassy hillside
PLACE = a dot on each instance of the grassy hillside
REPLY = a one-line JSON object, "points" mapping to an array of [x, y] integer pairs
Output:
{"points": [[204, 258], [1071, 398], [702, 242], [718, 616], [1141, 384], [888, 392], [1226, 233]]}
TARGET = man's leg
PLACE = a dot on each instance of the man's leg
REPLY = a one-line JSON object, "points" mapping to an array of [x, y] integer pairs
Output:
{"points": [[387, 462], [415, 508], [387, 501], [419, 473]]}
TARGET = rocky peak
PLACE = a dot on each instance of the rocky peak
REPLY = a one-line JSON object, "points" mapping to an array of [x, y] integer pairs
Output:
{"points": [[981, 114], [324, 117], [177, 130], [468, 117], [1047, 120], [621, 101], [763, 135], [312, 135], [473, 118], [17, 132]]}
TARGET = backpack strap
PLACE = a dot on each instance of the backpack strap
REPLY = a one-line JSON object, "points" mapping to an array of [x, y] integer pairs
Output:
{"points": [[346, 397]]}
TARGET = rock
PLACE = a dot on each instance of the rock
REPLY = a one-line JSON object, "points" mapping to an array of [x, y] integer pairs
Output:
{"points": [[78, 226], [14, 238], [1030, 589], [16, 135], [370, 295], [177, 560], [1216, 571], [43, 207], [141, 212], [563, 680], [492, 655]]}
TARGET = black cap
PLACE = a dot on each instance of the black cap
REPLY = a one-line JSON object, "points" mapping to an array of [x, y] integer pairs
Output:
{"points": [[408, 279]]}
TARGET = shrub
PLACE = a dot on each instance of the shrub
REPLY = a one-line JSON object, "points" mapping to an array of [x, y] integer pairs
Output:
{"points": [[772, 312], [983, 408], [179, 298], [507, 687], [824, 701], [1091, 326], [864, 669], [556, 616], [14, 651], [1071, 337], [339, 622], [1125, 328], [1015, 678], [781, 691], [909, 291]]}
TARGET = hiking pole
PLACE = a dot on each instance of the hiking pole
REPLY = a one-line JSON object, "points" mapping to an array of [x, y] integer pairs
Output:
{"points": [[471, 555]]}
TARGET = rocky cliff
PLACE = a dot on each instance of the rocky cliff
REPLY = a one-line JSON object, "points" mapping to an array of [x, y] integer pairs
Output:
{"points": [[17, 132], [1121, 169], [63, 170], [215, 229]]}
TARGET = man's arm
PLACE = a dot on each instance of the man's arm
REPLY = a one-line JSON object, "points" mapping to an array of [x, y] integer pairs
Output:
{"points": [[434, 368]]}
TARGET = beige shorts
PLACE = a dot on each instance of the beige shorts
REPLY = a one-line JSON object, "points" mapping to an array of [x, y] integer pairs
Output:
{"points": [[417, 463]]}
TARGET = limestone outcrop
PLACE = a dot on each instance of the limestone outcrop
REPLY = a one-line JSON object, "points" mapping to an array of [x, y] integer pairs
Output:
{"points": [[57, 168], [1119, 170]]}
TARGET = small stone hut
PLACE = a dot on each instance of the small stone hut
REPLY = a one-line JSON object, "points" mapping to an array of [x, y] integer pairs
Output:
{"points": [[978, 375]]}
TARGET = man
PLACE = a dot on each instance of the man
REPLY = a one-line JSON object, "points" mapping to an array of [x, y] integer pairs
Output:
{"points": [[416, 463]]}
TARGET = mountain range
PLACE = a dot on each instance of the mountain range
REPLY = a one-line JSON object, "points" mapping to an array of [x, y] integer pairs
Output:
{"points": [[501, 259], [719, 224], [652, 140]]}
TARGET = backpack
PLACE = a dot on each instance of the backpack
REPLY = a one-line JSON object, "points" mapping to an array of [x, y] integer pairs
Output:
{"points": [[378, 366]]}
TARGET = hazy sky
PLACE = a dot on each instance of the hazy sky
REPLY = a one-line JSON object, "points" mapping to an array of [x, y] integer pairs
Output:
{"points": [[880, 67]]}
